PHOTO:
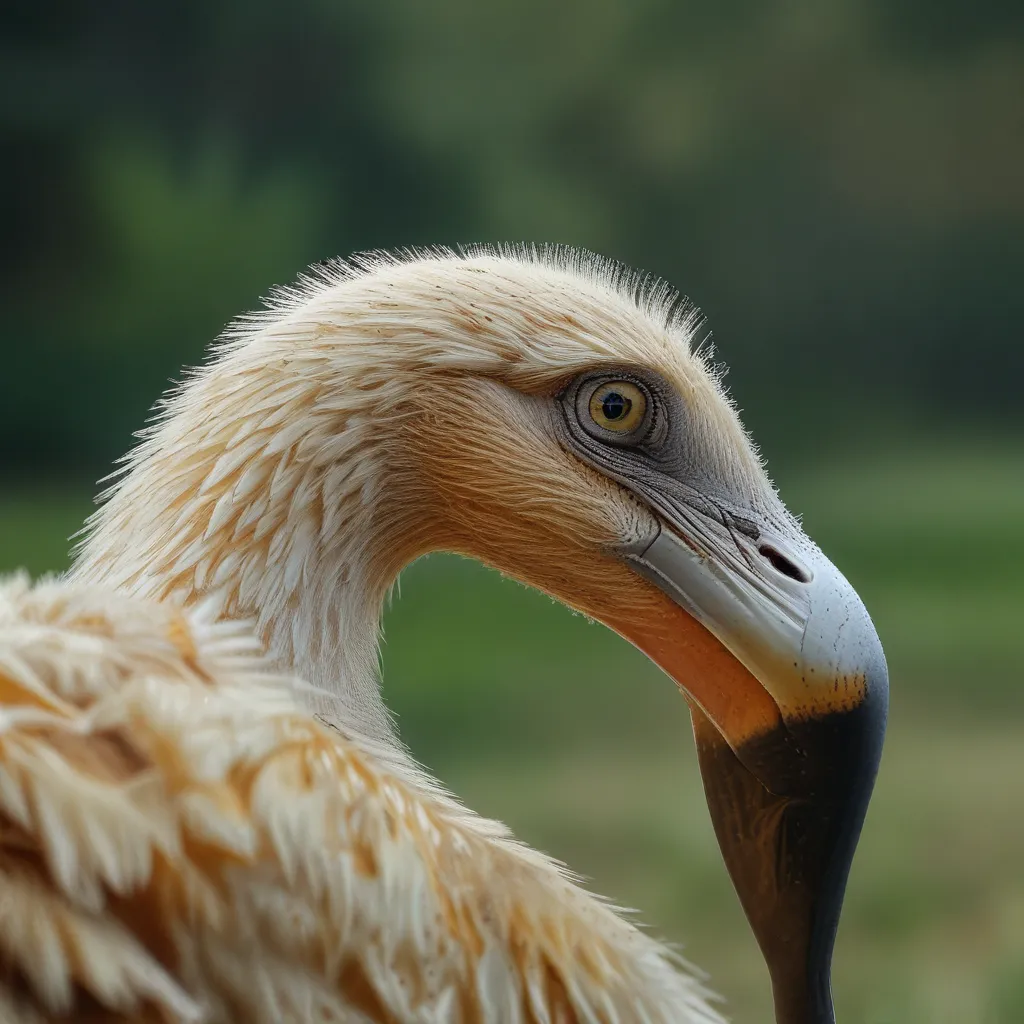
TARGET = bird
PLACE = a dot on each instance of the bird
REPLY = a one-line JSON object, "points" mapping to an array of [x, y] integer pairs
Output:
{"points": [[206, 811]]}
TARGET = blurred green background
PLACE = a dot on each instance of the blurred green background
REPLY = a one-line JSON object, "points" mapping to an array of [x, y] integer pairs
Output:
{"points": [[839, 185]]}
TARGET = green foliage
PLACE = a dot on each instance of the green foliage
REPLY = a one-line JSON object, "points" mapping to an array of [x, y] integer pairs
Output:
{"points": [[176, 230], [840, 185]]}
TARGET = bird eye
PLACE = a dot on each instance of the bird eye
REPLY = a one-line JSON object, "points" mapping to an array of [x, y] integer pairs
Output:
{"points": [[618, 405]]}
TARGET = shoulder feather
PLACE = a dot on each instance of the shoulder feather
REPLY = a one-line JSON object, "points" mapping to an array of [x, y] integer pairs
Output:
{"points": [[180, 840]]}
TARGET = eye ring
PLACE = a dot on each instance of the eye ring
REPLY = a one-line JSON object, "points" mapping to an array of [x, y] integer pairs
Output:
{"points": [[615, 409]]}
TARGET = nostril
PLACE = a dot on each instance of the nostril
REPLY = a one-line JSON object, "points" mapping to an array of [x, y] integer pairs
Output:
{"points": [[782, 564]]}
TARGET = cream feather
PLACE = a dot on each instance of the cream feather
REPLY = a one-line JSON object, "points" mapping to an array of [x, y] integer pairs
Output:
{"points": [[182, 838], [183, 841]]}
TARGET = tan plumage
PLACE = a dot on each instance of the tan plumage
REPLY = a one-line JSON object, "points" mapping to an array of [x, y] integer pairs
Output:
{"points": [[180, 837], [182, 841]]}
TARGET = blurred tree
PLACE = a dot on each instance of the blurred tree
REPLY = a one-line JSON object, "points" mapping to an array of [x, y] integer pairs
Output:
{"points": [[839, 185]]}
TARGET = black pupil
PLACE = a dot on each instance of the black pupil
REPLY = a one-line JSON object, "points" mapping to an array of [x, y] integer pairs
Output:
{"points": [[615, 406]]}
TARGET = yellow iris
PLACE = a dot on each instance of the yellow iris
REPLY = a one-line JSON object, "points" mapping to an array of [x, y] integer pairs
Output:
{"points": [[618, 405]]}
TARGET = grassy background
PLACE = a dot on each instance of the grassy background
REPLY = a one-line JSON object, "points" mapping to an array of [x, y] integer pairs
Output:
{"points": [[553, 724]]}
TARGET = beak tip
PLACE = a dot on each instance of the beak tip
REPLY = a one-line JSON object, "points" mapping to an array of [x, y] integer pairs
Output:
{"points": [[839, 636]]}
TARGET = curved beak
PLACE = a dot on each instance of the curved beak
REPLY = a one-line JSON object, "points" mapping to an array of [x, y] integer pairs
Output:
{"points": [[789, 729]]}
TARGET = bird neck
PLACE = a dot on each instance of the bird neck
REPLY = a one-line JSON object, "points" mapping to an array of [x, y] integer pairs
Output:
{"points": [[273, 487]]}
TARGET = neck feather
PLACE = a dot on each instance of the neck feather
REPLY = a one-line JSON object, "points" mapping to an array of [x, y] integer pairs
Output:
{"points": [[264, 488]]}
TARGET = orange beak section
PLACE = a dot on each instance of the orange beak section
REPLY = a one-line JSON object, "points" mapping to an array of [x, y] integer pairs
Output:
{"points": [[701, 666]]}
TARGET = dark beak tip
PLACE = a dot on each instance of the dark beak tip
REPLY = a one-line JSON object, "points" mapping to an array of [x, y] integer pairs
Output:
{"points": [[789, 840]]}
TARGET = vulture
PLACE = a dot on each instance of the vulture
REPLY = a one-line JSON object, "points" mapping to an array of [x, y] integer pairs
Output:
{"points": [[205, 811]]}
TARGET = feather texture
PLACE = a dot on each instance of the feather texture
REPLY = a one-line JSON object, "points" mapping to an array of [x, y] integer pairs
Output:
{"points": [[181, 841]]}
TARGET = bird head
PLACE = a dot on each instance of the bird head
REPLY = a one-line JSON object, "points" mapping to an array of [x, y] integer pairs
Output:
{"points": [[578, 442], [547, 414]]}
